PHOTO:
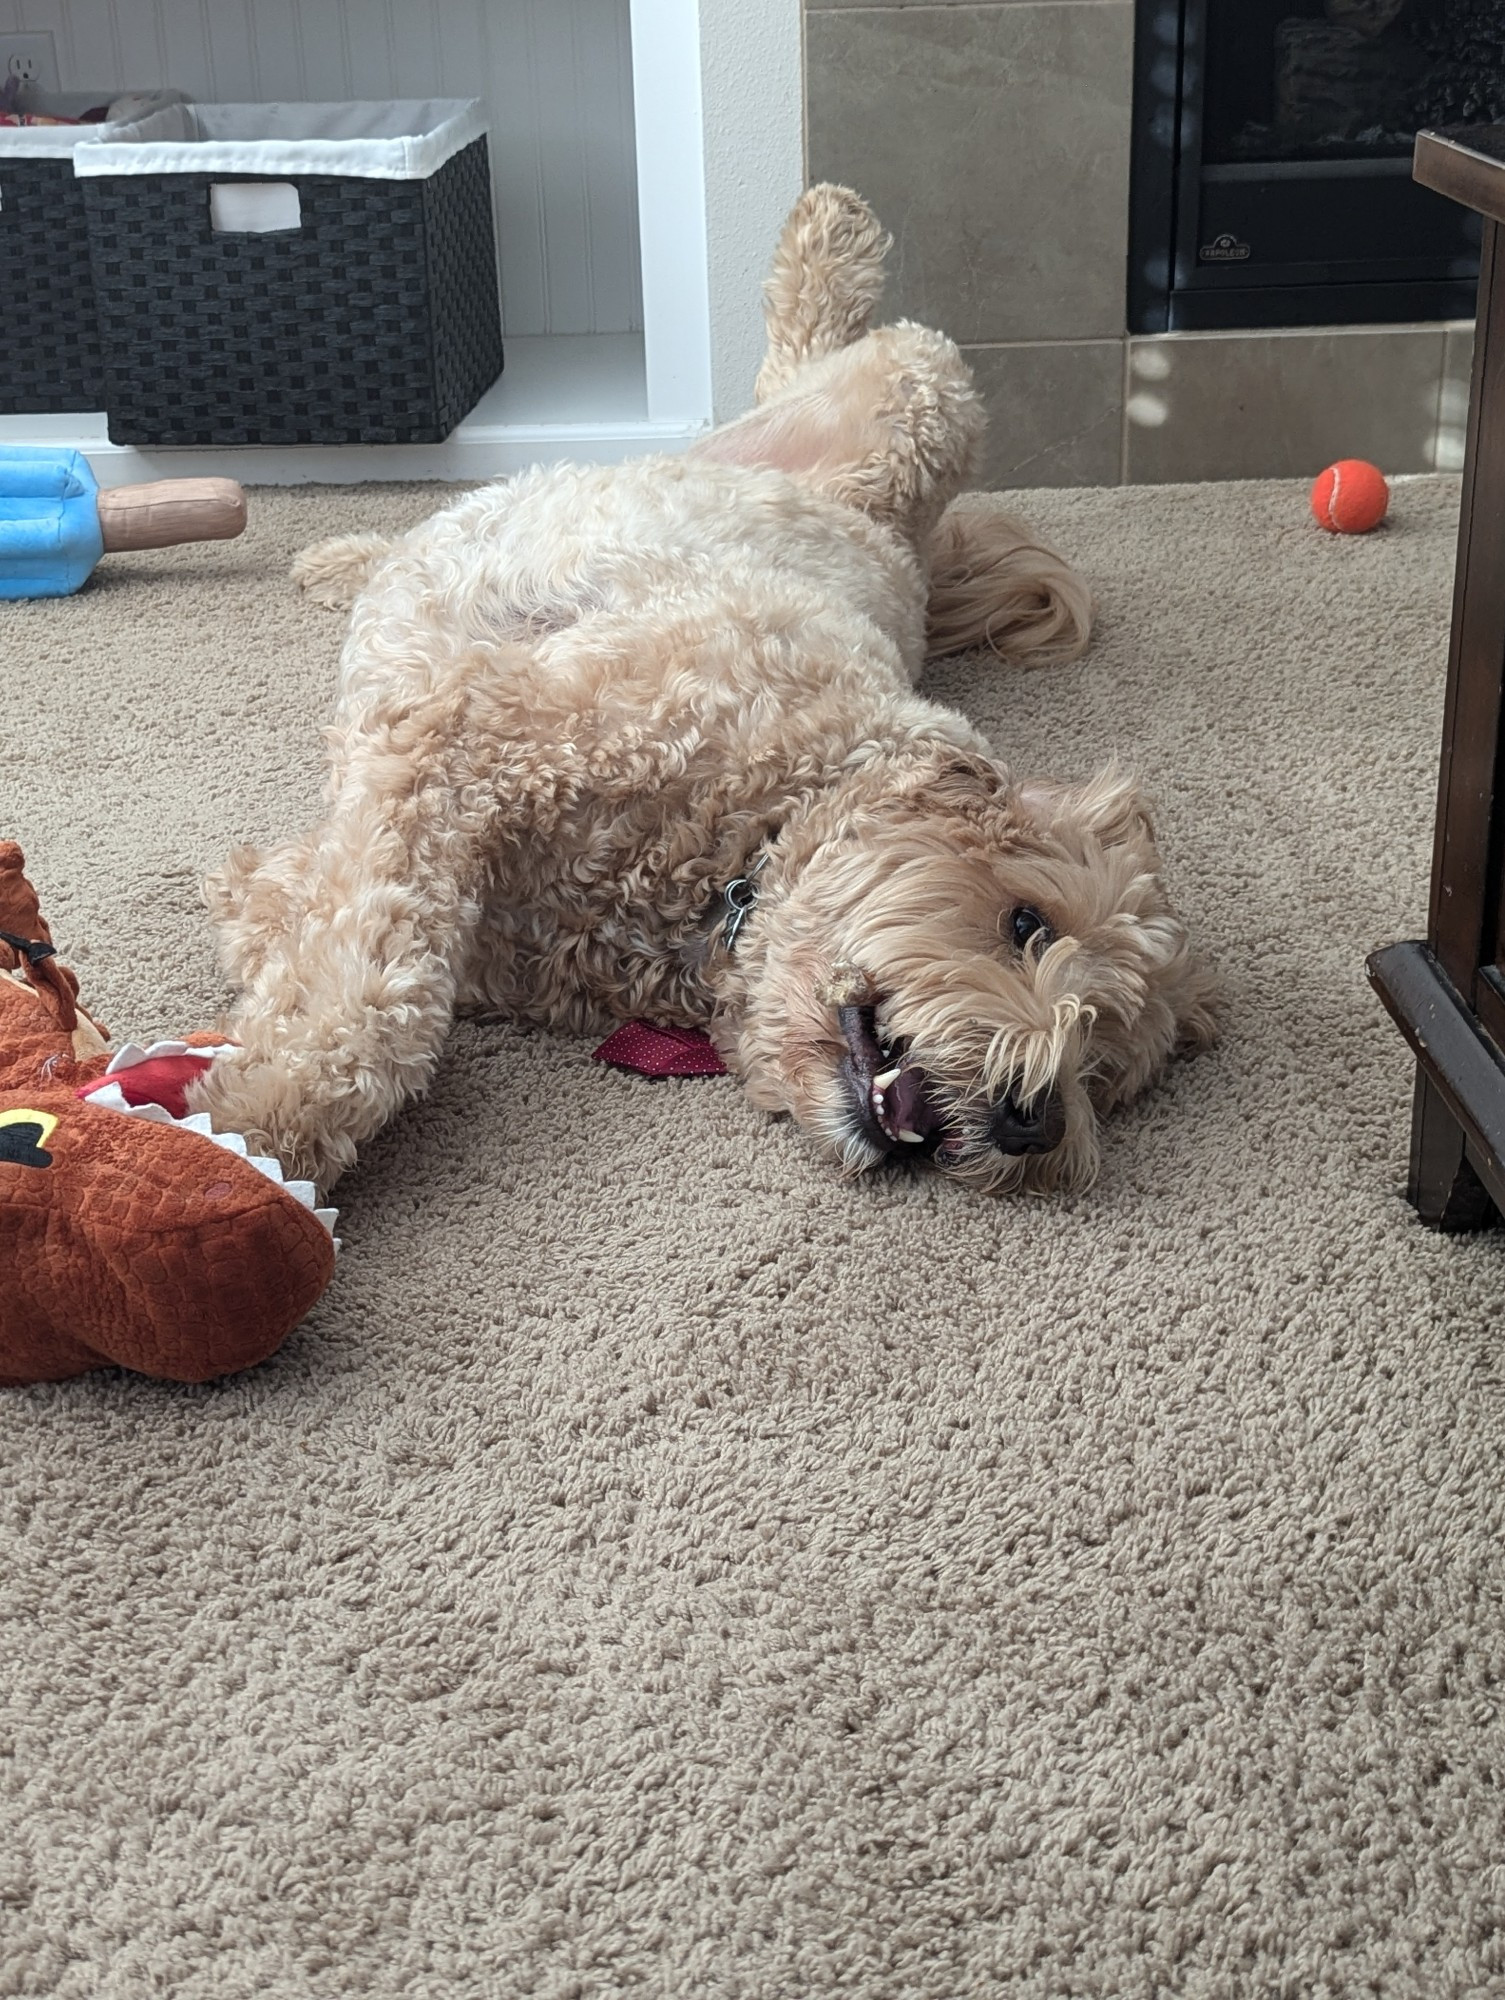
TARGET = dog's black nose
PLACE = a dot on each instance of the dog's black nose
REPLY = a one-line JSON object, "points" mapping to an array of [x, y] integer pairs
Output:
{"points": [[1037, 1127]]}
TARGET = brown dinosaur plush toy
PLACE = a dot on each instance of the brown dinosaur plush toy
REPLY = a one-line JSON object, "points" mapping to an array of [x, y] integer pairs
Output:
{"points": [[131, 1234]]}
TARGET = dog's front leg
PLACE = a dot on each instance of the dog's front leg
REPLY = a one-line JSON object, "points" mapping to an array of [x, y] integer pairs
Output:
{"points": [[362, 925]]}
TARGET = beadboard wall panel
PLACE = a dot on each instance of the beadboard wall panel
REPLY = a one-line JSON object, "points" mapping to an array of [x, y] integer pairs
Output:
{"points": [[556, 76]]}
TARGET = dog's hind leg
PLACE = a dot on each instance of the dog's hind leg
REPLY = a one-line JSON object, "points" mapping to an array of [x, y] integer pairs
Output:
{"points": [[888, 425], [352, 938], [825, 282], [335, 572]]}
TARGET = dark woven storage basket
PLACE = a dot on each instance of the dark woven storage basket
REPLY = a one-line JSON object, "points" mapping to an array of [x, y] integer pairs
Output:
{"points": [[376, 322], [50, 354]]}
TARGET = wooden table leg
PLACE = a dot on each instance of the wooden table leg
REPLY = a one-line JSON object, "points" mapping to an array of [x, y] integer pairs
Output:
{"points": [[1462, 921], [1447, 994], [1443, 1187]]}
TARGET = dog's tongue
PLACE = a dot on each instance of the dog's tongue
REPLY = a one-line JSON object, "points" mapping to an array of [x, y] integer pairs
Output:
{"points": [[907, 1105]]}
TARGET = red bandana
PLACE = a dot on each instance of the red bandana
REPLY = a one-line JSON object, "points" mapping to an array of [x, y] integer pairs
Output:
{"points": [[655, 1051]]}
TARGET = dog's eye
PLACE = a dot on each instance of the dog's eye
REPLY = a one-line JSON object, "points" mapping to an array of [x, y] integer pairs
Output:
{"points": [[1029, 927]]}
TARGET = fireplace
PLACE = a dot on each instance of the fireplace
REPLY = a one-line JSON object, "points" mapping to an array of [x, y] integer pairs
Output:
{"points": [[1272, 159]]}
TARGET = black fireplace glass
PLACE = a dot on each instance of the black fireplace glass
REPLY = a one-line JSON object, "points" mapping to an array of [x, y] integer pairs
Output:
{"points": [[1272, 170], [1347, 79]]}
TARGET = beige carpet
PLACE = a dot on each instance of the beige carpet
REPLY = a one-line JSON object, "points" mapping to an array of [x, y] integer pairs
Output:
{"points": [[658, 1569]]}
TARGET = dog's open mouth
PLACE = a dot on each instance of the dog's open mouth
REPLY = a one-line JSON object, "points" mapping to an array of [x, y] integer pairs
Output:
{"points": [[895, 1106]]}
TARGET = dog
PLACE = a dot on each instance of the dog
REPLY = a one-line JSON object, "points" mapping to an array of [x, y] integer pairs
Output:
{"points": [[643, 740]]}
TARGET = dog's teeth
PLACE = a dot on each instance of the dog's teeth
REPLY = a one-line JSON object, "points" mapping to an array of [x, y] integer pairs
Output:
{"points": [[889, 1076], [912, 1138]]}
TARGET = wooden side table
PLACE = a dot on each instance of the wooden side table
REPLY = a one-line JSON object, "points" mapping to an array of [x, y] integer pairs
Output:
{"points": [[1448, 994]]}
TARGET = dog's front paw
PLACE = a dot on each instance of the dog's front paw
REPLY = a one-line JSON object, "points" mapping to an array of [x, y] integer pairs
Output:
{"points": [[276, 1113]]}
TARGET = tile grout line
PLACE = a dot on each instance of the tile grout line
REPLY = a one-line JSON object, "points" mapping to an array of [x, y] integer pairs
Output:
{"points": [[1005, 346]]}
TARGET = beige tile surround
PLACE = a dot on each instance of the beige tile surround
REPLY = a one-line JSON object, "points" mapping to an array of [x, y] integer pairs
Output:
{"points": [[993, 139], [1265, 405], [1055, 412], [997, 236]]}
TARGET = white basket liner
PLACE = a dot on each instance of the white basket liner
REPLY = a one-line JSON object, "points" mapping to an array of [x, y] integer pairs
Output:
{"points": [[60, 142], [400, 140]]}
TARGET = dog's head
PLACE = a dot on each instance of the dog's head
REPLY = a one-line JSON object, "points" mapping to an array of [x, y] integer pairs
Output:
{"points": [[966, 970]]}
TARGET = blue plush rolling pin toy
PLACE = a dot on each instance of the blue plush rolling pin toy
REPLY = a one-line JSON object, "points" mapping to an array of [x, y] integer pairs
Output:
{"points": [[55, 523]]}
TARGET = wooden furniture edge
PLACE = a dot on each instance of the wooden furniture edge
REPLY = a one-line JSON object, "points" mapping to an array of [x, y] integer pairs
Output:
{"points": [[1452, 1053], [1445, 163]]}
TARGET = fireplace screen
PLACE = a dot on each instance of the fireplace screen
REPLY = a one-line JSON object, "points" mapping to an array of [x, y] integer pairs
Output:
{"points": [[1273, 138]]}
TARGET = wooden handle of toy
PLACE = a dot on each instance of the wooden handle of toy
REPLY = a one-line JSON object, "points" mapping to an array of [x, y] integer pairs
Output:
{"points": [[170, 511]]}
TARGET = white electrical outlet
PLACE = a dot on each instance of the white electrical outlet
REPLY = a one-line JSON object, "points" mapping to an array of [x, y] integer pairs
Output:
{"points": [[31, 60]]}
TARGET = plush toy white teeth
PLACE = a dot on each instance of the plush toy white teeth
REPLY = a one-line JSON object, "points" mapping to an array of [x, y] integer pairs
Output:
{"points": [[133, 1053]]}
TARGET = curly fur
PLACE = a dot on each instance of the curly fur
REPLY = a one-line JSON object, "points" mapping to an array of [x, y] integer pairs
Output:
{"points": [[574, 705]]}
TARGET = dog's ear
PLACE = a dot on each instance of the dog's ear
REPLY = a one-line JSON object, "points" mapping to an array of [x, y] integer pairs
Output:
{"points": [[1110, 806], [1178, 997]]}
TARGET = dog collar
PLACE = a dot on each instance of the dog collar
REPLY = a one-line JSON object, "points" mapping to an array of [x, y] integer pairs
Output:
{"points": [[738, 901]]}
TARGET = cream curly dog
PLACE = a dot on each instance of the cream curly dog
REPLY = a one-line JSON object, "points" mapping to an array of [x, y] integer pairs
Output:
{"points": [[576, 706]]}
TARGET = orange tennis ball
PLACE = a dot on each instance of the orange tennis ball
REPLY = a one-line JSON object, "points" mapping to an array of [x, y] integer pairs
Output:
{"points": [[1350, 498]]}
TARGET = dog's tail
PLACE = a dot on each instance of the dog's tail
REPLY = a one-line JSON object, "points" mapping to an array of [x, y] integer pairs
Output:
{"points": [[826, 280], [994, 584], [334, 572]]}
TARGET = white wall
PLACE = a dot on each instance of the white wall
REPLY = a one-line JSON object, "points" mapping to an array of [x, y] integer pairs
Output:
{"points": [[720, 150], [752, 82]]}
